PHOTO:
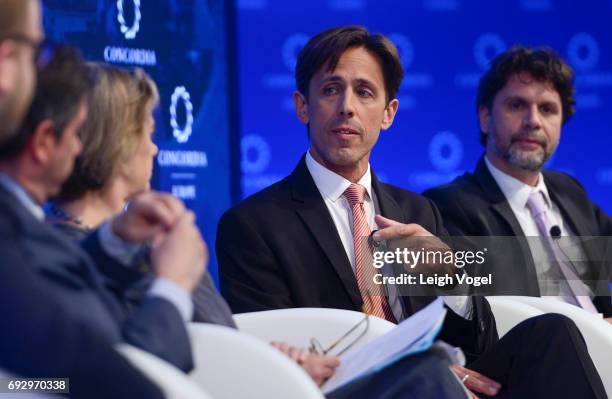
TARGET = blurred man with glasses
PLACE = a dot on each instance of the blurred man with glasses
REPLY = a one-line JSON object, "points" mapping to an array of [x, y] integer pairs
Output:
{"points": [[21, 35], [38, 338]]}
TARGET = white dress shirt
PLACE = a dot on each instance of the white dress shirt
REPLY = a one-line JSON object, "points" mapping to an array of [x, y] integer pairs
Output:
{"points": [[332, 187], [114, 246], [550, 279]]}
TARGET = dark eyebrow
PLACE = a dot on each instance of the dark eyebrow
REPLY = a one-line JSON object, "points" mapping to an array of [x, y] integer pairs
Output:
{"points": [[553, 105], [523, 99], [333, 79], [338, 79], [515, 97], [365, 82]]}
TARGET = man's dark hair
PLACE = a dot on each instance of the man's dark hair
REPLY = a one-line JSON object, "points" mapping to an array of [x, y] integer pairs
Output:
{"points": [[327, 47], [61, 86], [542, 63]]}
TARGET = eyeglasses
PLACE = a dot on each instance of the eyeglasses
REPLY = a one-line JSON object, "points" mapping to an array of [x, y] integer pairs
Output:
{"points": [[348, 339]]}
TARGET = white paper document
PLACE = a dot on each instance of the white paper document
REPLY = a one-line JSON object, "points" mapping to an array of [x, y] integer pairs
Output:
{"points": [[413, 335]]}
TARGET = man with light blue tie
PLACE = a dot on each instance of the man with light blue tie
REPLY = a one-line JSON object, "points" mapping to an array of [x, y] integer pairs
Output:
{"points": [[523, 101]]}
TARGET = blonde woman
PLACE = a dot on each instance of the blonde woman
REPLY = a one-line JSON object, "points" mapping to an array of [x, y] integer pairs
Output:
{"points": [[115, 164], [117, 157]]}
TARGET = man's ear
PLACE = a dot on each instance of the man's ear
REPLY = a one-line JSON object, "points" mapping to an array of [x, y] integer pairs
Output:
{"points": [[43, 142], [389, 115], [484, 115], [301, 107]]}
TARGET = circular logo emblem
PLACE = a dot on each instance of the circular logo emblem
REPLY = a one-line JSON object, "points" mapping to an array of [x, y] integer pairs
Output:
{"points": [[255, 154], [291, 48], [487, 47], [445, 151], [182, 95], [583, 51], [129, 31], [404, 47]]}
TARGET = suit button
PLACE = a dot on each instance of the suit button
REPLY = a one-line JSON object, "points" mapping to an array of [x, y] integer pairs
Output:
{"points": [[482, 325]]}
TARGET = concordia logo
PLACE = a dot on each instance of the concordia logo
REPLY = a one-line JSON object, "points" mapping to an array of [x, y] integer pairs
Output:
{"points": [[179, 158], [127, 55], [129, 31], [181, 134]]}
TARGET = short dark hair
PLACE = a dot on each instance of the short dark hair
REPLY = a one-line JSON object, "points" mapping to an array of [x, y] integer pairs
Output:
{"points": [[542, 63], [327, 47], [61, 86]]}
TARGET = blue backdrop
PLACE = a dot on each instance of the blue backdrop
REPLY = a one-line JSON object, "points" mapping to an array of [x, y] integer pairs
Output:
{"points": [[445, 46], [183, 45], [218, 110]]}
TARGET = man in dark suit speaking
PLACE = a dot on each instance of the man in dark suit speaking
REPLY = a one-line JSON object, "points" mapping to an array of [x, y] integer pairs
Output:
{"points": [[299, 243], [523, 100]]}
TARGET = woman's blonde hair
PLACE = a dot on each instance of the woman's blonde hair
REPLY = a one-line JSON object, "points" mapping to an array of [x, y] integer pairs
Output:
{"points": [[119, 105]]}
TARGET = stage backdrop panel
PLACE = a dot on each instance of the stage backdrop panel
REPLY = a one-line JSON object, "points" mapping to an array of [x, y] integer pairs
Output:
{"points": [[186, 46], [445, 46]]}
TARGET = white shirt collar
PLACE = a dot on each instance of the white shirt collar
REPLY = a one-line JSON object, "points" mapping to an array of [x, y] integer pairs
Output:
{"points": [[332, 185], [516, 192], [22, 196]]}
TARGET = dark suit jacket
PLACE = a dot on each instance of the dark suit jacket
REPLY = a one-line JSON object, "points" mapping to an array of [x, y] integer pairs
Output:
{"points": [[474, 205], [281, 249], [91, 296], [208, 305], [40, 338]]}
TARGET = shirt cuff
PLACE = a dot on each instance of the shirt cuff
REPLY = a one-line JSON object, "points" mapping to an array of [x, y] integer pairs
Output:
{"points": [[115, 247], [174, 294], [461, 305]]}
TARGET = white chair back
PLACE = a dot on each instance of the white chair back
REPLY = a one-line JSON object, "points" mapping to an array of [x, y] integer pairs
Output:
{"points": [[509, 313], [596, 332], [297, 326], [174, 383], [230, 364]]}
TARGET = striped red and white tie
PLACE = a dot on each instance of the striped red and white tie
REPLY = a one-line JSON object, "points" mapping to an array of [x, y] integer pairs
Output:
{"points": [[373, 295]]}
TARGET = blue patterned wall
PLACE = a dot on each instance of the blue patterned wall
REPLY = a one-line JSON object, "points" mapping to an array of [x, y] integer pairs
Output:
{"points": [[445, 46], [183, 45]]}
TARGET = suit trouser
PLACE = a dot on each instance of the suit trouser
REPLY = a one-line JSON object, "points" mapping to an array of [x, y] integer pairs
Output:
{"points": [[542, 357], [426, 375]]}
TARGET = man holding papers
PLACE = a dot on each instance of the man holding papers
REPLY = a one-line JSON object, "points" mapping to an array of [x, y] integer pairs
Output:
{"points": [[302, 241]]}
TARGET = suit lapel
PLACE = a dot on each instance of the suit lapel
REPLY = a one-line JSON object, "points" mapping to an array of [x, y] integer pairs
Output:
{"points": [[499, 205], [573, 215], [569, 209], [496, 198], [73, 267], [311, 208], [390, 209]]}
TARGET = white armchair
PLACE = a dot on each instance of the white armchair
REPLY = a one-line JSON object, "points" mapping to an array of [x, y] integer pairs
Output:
{"points": [[240, 364], [174, 383], [509, 313], [596, 332], [231, 364], [297, 326]]}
